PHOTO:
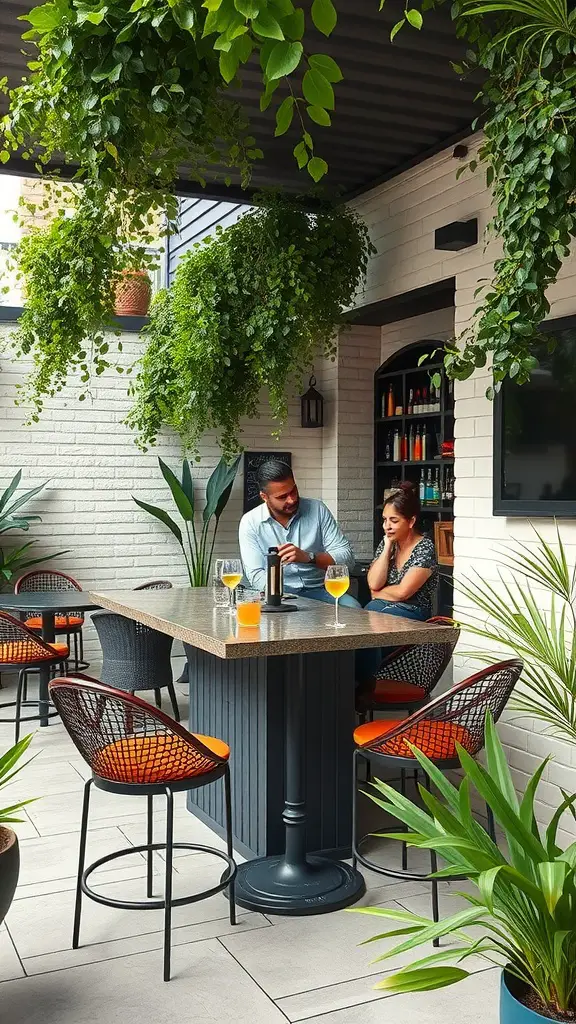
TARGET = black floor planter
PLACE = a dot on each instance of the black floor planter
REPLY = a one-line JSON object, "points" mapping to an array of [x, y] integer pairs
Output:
{"points": [[9, 869]]}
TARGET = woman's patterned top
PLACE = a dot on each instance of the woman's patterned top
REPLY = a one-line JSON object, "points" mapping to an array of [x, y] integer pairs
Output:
{"points": [[423, 556]]}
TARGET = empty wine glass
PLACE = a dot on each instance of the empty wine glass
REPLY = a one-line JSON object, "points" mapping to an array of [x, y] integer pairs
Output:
{"points": [[337, 581]]}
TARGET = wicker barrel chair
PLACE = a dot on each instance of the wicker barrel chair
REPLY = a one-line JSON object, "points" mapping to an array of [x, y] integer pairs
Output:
{"points": [[135, 749], [135, 657], [68, 625], [456, 717], [406, 676], [21, 649]]}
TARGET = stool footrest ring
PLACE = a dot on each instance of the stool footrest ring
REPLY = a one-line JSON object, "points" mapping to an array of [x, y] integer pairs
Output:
{"points": [[27, 718], [409, 876], [154, 904]]}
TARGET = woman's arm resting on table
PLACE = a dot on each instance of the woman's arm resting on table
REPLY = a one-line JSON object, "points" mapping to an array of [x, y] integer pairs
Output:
{"points": [[413, 581]]}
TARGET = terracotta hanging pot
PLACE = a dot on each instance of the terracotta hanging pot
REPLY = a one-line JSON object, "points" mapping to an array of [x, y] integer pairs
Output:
{"points": [[133, 293], [9, 868]]}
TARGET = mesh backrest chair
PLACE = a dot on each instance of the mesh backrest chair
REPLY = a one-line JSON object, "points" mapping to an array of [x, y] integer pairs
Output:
{"points": [[155, 585], [135, 657], [22, 649], [134, 748], [456, 717], [69, 624], [406, 676]]}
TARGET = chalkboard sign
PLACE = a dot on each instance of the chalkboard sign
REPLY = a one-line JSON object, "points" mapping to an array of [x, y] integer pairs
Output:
{"points": [[252, 460]]}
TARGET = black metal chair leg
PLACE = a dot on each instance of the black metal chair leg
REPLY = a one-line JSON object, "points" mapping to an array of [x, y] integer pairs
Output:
{"points": [[21, 684], [76, 658], [158, 698], [229, 845], [433, 869], [491, 825], [404, 846], [354, 806], [173, 701], [81, 862], [168, 881], [25, 689], [149, 841]]}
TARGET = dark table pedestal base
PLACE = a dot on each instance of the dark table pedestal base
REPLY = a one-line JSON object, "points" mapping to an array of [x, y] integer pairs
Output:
{"points": [[270, 885]]}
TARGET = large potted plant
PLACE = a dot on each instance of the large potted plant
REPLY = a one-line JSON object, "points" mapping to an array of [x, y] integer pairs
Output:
{"points": [[524, 908], [197, 544], [9, 850]]}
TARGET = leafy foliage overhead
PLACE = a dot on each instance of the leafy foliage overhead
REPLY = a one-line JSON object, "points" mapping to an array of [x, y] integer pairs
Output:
{"points": [[249, 309]]}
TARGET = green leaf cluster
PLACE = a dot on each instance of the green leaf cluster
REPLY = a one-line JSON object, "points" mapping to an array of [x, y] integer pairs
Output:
{"points": [[248, 310], [511, 615], [524, 911], [9, 768], [14, 560], [525, 50], [198, 537]]}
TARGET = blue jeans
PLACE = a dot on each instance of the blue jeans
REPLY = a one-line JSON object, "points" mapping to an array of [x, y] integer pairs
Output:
{"points": [[320, 594], [368, 660]]}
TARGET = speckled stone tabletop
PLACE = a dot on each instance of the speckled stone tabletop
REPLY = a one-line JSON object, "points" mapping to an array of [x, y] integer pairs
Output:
{"points": [[189, 615]]}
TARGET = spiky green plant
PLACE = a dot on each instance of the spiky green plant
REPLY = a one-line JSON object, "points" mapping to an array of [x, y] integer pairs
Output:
{"points": [[538, 626], [524, 911]]}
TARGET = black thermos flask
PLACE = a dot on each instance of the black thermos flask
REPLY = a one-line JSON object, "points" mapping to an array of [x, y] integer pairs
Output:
{"points": [[273, 578]]}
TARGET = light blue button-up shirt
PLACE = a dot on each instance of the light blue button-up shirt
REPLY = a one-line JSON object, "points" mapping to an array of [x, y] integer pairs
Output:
{"points": [[312, 529]]}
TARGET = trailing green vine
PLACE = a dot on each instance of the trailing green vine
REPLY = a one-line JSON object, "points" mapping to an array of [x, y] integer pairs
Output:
{"points": [[249, 309], [529, 126]]}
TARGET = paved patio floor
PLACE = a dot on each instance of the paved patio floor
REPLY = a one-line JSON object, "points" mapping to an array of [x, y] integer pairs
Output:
{"points": [[266, 970]]}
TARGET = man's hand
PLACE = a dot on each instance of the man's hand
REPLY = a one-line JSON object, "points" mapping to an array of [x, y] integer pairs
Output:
{"points": [[289, 553]]}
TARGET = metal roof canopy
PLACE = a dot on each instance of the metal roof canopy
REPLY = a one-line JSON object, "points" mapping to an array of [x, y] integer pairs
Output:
{"points": [[398, 104]]}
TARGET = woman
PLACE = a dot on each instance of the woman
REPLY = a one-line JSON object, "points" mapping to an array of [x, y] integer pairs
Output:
{"points": [[404, 575]]}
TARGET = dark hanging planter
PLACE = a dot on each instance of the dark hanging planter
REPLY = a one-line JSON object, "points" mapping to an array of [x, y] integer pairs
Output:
{"points": [[312, 407]]}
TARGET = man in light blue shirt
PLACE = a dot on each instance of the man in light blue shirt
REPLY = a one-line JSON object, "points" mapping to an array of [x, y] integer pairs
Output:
{"points": [[305, 532]]}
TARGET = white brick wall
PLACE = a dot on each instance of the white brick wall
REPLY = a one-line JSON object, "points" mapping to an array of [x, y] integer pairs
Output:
{"points": [[94, 468], [402, 215]]}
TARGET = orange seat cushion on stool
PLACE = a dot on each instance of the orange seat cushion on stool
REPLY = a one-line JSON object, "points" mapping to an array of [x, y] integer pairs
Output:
{"points": [[436, 739], [149, 759], [16, 651], [394, 691], [60, 621]]}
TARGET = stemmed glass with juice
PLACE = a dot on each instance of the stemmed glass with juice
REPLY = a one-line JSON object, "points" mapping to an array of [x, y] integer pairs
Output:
{"points": [[231, 574], [337, 581]]}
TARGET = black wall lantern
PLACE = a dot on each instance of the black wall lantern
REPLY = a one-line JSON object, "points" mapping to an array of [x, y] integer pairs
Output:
{"points": [[312, 407]]}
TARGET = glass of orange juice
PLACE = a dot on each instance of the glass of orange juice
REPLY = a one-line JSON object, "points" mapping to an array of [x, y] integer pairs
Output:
{"points": [[248, 607], [337, 581], [231, 573]]}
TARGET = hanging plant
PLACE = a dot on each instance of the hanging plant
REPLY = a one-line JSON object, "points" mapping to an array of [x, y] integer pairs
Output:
{"points": [[526, 49], [249, 309]]}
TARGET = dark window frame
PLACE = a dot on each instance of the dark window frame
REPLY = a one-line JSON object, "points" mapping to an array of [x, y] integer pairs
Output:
{"points": [[525, 509]]}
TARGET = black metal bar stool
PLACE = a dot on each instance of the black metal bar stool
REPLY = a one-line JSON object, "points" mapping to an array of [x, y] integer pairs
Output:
{"points": [[456, 717], [135, 749], [22, 650]]}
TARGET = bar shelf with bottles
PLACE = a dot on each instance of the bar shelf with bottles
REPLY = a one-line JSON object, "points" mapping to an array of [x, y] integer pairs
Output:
{"points": [[413, 433]]}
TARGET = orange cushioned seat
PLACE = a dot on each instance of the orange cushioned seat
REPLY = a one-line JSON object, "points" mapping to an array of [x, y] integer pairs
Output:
{"points": [[17, 651], [157, 758], [60, 621], [436, 739], [393, 691]]}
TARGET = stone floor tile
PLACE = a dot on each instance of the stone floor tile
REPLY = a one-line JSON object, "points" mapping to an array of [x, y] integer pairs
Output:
{"points": [[10, 966], [207, 986]]}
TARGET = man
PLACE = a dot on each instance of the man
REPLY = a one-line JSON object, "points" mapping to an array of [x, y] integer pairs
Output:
{"points": [[304, 531]]}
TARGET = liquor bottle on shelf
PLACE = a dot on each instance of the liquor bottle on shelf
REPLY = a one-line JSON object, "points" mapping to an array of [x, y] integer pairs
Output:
{"points": [[436, 488], [383, 405], [396, 446], [404, 447], [425, 407], [394, 485], [410, 409], [437, 402], [425, 448], [428, 488], [418, 445], [449, 486], [422, 489], [388, 447], [417, 408], [390, 403], [399, 409], [411, 439]]}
